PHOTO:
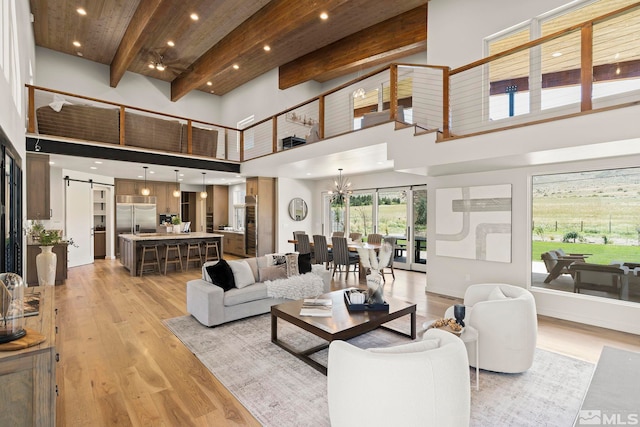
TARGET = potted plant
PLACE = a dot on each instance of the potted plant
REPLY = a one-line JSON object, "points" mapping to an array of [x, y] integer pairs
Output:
{"points": [[176, 224]]}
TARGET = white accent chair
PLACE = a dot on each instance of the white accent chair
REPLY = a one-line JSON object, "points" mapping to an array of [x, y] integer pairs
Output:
{"points": [[422, 383], [507, 324]]}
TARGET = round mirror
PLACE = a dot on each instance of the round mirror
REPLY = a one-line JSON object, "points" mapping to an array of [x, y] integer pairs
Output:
{"points": [[297, 209]]}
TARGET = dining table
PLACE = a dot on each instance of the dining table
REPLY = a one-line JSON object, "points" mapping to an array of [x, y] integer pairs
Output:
{"points": [[353, 247]]}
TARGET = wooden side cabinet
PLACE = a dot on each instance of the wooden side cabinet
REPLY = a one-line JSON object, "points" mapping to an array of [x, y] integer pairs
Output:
{"points": [[28, 376], [38, 186], [61, 263]]}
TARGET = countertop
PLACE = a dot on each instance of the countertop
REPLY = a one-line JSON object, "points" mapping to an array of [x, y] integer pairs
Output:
{"points": [[168, 236], [230, 231]]}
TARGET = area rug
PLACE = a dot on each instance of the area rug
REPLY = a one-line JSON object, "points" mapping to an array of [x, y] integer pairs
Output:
{"points": [[280, 390]]}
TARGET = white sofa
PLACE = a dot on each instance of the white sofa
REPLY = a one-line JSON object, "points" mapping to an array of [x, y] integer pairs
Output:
{"points": [[422, 383], [212, 306], [507, 324]]}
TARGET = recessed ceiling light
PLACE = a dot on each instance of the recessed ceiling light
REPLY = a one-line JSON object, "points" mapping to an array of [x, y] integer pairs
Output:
{"points": [[194, 16], [267, 48], [98, 162], [209, 83], [152, 66], [77, 43], [160, 67], [139, 176], [223, 179], [236, 66], [52, 163], [81, 11], [324, 15], [171, 43], [238, 176], [79, 54], [556, 54], [151, 172], [308, 173], [93, 167], [213, 91]]}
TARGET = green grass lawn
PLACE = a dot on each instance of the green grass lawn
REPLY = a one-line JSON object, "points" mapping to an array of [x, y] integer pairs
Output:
{"points": [[601, 254]]}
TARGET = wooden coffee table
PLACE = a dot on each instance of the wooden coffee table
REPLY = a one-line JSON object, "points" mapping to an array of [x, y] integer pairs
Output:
{"points": [[342, 325]]}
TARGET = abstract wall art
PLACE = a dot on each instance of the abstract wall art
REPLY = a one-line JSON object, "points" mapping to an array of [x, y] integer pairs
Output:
{"points": [[474, 222]]}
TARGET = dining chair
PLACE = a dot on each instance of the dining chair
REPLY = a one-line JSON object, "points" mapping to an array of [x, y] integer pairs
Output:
{"points": [[321, 250], [295, 237], [355, 236], [337, 234], [342, 256], [374, 239], [392, 242], [304, 245]]}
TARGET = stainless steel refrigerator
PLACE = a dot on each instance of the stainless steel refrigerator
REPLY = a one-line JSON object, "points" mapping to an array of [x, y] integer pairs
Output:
{"points": [[136, 214]]}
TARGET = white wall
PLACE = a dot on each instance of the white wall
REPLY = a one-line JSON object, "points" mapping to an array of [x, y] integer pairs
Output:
{"points": [[451, 276], [285, 226], [465, 23], [55, 70]]}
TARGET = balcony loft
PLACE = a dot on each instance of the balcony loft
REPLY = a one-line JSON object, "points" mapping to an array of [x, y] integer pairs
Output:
{"points": [[428, 120]]}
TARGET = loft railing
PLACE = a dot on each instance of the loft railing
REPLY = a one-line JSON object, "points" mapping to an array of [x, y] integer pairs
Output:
{"points": [[62, 114], [599, 68]]}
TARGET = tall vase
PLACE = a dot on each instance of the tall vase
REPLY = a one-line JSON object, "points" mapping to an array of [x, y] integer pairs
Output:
{"points": [[46, 266]]}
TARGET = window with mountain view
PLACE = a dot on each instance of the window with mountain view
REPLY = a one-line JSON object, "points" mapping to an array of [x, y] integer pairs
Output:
{"points": [[595, 214]]}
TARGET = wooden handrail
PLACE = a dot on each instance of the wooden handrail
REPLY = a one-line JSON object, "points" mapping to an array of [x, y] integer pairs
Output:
{"points": [[121, 106], [544, 39]]}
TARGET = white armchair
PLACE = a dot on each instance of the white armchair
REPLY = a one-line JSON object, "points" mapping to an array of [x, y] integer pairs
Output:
{"points": [[416, 384], [507, 324]]}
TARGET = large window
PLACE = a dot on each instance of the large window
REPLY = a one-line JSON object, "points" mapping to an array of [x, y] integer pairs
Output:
{"points": [[548, 76], [594, 213]]}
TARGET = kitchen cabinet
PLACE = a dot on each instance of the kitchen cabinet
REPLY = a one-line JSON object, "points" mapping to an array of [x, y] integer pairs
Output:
{"points": [[218, 204], [28, 376], [233, 242], [162, 191], [264, 190], [38, 187], [166, 202]]}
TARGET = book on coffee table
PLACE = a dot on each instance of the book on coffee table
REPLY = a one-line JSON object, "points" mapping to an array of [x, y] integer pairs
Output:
{"points": [[316, 307]]}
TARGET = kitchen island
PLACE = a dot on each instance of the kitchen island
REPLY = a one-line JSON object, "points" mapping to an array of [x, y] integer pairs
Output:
{"points": [[130, 245]]}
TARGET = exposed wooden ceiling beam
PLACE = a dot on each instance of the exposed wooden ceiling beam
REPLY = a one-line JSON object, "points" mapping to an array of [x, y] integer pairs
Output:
{"points": [[276, 18], [133, 39], [396, 37]]}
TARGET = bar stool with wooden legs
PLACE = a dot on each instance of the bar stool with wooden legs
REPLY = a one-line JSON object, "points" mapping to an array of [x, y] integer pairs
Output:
{"points": [[214, 255], [176, 257], [193, 246], [154, 261]]}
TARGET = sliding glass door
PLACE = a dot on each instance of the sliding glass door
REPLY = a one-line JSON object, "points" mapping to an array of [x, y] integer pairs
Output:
{"points": [[399, 212]]}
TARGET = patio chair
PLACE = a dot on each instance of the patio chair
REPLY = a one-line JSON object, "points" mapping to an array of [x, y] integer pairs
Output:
{"points": [[557, 266]]}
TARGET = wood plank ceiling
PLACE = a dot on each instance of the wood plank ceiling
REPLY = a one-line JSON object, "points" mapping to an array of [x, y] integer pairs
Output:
{"points": [[129, 35]]}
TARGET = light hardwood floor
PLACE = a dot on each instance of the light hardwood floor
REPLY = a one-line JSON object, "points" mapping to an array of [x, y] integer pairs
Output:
{"points": [[120, 366]]}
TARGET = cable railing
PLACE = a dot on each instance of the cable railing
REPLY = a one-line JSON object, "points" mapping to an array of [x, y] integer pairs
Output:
{"points": [[62, 114], [588, 66]]}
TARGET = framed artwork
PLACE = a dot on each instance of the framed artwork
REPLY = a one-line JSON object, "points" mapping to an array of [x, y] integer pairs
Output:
{"points": [[474, 222]]}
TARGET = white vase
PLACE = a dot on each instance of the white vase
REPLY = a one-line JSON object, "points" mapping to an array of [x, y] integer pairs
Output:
{"points": [[46, 266], [177, 228]]}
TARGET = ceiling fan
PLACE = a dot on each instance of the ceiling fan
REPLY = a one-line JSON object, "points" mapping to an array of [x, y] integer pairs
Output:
{"points": [[160, 62]]}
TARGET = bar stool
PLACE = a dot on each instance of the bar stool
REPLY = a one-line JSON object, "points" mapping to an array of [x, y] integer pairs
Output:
{"points": [[193, 246], [177, 257], [154, 261], [215, 251]]}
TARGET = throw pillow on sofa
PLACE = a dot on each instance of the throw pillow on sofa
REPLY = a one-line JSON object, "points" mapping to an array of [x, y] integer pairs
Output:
{"points": [[304, 263], [272, 272], [221, 275], [242, 274], [292, 264]]}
